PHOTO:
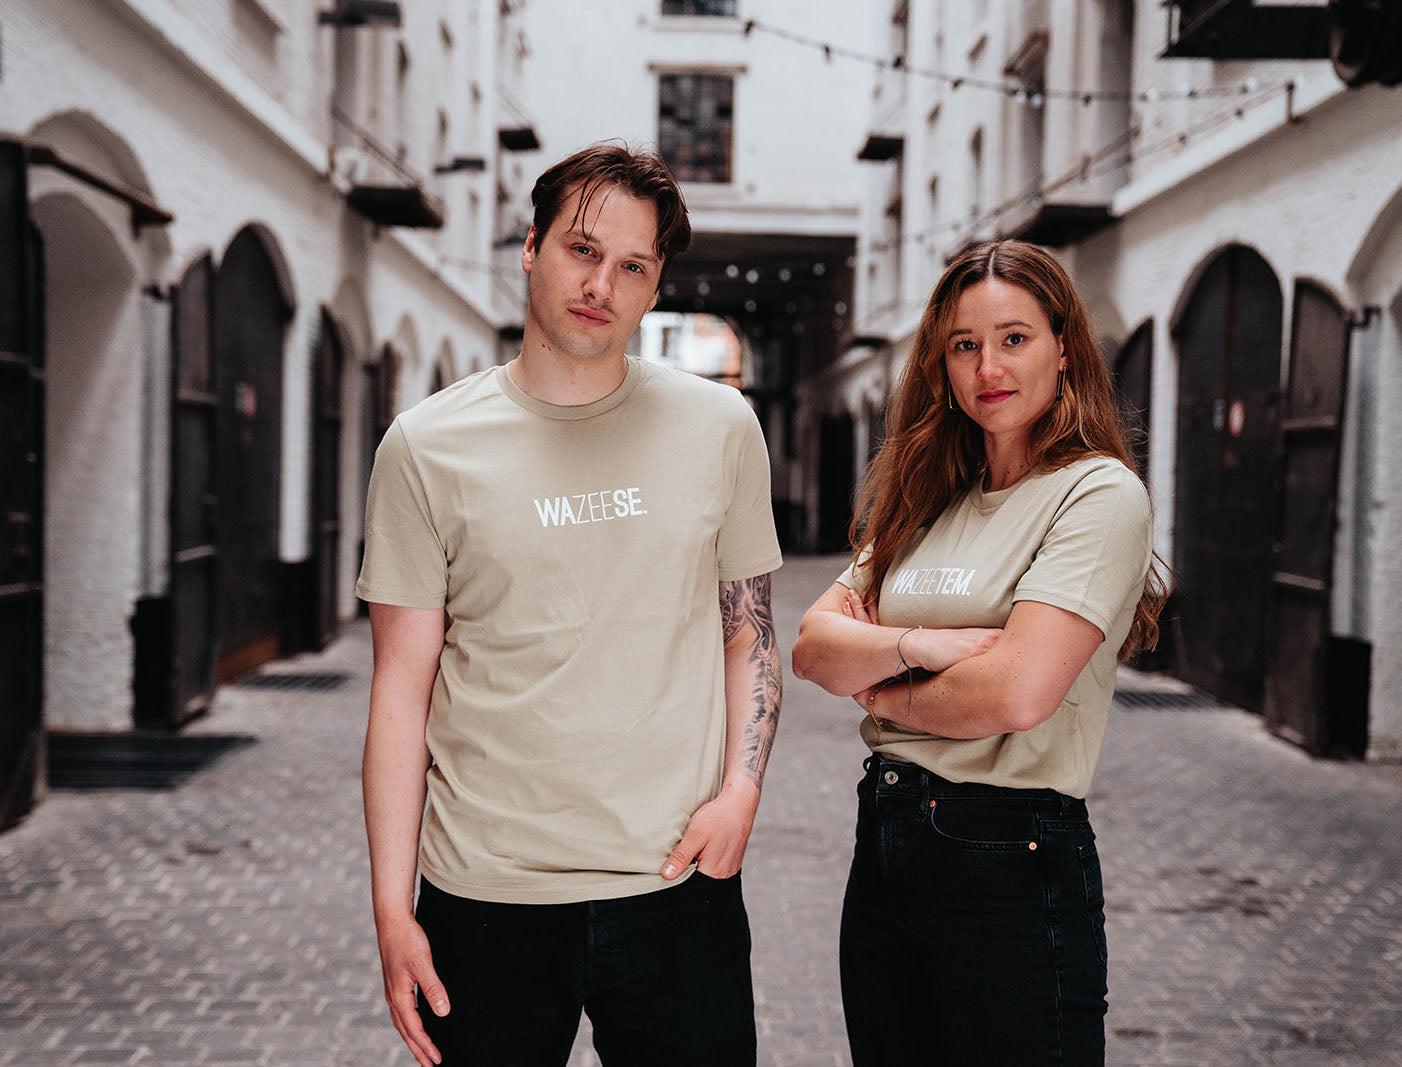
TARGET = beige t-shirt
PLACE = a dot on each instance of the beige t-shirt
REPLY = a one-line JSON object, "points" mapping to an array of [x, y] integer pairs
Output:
{"points": [[1077, 538], [578, 717]]}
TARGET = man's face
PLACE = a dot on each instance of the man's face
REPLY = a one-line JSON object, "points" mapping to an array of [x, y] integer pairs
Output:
{"points": [[592, 278]]}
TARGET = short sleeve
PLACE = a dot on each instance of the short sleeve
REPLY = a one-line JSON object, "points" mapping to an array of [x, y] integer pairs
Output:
{"points": [[405, 563], [1096, 552], [857, 576], [747, 544]]}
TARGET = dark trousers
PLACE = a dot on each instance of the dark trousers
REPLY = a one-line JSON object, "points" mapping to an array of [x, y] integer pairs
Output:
{"points": [[973, 930], [664, 978]]}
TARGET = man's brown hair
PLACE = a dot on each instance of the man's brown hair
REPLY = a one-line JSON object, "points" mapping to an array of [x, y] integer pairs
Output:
{"points": [[600, 166]]}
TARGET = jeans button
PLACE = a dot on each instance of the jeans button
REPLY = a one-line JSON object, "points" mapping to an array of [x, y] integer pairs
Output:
{"points": [[891, 777]]}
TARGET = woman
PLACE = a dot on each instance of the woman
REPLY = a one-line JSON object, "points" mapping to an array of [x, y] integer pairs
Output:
{"points": [[1005, 560]]}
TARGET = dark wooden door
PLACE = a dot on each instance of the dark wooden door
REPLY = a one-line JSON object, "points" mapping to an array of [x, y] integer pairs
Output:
{"points": [[376, 413], [837, 477], [249, 326], [1310, 436], [21, 492], [876, 428], [1227, 474], [326, 478], [194, 496]]}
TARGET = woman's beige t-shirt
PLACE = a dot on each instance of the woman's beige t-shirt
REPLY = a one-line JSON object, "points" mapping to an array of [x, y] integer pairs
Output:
{"points": [[578, 717], [1078, 538]]}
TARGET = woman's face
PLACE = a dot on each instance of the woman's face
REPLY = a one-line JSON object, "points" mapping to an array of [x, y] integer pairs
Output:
{"points": [[1003, 360]]}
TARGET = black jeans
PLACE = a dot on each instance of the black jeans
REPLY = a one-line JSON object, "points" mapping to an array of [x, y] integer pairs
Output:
{"points": [[664, 978], [973, 930]]}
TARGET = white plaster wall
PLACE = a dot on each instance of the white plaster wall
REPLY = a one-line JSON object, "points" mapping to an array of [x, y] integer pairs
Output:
{"points": [[1376, 280], [799, 120], [92, 529]]}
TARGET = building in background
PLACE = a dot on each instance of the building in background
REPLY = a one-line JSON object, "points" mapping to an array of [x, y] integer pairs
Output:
{"points": [[696, 343], [761, 129], [239, 236], [1233, 213]]}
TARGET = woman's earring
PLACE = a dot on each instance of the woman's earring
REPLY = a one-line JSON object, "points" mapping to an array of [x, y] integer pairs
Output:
{"points": [[1060, 382], [949, 395]]}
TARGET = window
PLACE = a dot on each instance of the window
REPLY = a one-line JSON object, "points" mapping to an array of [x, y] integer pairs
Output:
{"points": [[401, 100], [694, 119], [932, 241], [698, 7], [976, 173]]}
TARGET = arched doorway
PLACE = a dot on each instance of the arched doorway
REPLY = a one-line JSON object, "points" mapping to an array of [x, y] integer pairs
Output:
{"points": [[253, 307], [445, 368], [328, 375], [1228, 463], [837, 475], [378, 398], [1134, 367]]}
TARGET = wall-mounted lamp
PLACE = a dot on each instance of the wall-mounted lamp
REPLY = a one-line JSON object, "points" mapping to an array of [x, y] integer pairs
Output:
{"points": [[352, 13], [460, 163]]}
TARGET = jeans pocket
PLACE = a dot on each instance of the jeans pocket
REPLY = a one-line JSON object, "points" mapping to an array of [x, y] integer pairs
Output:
{"points": [[1089, 862], [985, 825]]}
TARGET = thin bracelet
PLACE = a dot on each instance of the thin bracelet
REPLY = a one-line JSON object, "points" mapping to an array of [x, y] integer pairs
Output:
{"points": [[904, 665], [909, 671], [871, 699]]}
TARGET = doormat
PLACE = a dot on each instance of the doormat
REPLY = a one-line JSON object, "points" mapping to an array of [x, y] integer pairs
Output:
{"points": [[134, 761]]}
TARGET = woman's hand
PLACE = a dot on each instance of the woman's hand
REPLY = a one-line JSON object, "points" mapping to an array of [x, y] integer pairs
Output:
{"points": [[844, 646], [935, 650], [854, 607]]}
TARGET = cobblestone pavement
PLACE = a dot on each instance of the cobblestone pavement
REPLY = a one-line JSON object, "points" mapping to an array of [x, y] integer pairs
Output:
{"points": [[1253, 893]]}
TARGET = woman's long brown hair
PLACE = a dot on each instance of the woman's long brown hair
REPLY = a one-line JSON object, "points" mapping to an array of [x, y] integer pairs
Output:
{"points": [[933, 452]]}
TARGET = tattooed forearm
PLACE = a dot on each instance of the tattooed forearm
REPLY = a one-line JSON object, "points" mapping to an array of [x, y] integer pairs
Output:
{"points": [[752, 652]]}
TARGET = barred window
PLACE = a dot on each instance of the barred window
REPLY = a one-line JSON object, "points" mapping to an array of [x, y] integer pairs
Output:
{"points": [[698, 7], [694, 125]]}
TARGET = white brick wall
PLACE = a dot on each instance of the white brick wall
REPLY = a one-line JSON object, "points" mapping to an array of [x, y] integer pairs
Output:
{"points": [[224, 119]]}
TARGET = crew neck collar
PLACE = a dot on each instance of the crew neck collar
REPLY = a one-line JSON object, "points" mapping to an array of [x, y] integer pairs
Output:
{"points": [[570, 412], [985, 499]]}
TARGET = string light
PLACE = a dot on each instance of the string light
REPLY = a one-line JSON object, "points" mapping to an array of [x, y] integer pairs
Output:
{"points": [[1114, 154], [472, 264], [1008, 88]]}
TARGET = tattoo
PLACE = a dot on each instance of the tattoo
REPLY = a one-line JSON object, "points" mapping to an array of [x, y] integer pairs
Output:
{"points": [[745, 604]]}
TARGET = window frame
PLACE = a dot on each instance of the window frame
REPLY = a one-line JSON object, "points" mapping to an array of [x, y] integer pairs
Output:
{"points": [[687, 171]]}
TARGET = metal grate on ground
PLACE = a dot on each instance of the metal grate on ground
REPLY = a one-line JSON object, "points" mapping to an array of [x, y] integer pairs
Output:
{"points": [[304, 681], [1160, 699], [137, 760]]}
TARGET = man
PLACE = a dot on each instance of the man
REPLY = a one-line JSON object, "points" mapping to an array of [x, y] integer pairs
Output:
{"points": [[567, 562]]}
